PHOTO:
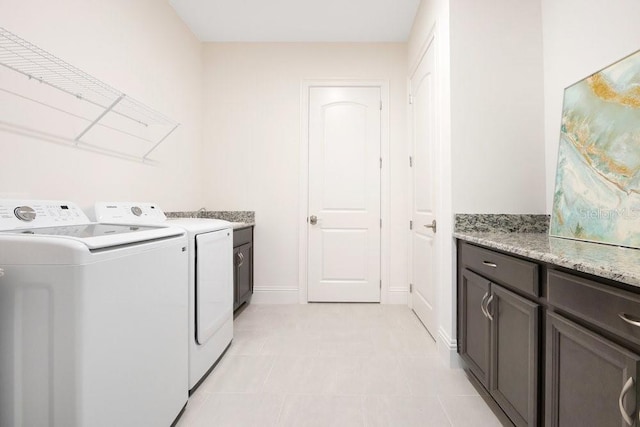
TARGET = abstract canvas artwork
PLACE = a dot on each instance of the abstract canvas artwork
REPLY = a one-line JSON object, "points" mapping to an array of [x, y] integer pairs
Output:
{"points": [[597, 192]]}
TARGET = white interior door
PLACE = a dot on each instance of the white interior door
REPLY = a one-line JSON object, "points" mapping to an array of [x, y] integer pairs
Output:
{"points": [[344, 194], [422, 236]]}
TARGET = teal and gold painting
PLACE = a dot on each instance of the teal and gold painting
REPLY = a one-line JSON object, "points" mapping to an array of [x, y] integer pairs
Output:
{"points": [[597, 192]]}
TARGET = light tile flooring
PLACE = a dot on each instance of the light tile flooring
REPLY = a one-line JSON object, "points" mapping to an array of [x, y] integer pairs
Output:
{"points": [[334, 365]]}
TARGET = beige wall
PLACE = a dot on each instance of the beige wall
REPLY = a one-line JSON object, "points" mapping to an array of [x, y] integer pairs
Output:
{"points": [[497, 107], [252, 139], [580, 38], [143, 49]]}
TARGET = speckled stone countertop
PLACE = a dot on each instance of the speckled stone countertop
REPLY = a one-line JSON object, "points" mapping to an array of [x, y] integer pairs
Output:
{"points": [[527, 236], [610, 262], [502, 222], [239, 219]]}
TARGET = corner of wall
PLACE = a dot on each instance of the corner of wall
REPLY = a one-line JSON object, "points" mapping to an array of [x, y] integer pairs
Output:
{"points": [[448, 350]]}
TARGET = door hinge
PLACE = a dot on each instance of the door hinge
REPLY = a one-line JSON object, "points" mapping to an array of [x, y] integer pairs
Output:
{"points": [[410, 288], [381, 105], [410, 99], [410, 161], [380, 162], [410, 225], [380, 283], [380, 222]]}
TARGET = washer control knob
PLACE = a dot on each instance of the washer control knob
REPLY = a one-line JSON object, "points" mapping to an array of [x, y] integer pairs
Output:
{"points": [[25, 213], [136, 211]]}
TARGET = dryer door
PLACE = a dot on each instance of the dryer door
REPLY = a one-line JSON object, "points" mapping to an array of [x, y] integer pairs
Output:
{"points": [[214, 282]]}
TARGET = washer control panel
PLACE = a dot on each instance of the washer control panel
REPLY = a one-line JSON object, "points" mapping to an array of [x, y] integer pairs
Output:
{"points": [[16, 214], [25, 213], [129, 212]]}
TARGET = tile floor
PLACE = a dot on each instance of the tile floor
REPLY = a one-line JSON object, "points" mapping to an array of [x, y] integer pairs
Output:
{"points": [[334, 365]]}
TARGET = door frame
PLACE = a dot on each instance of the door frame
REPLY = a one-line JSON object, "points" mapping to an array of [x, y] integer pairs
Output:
{"points": [[385, 233]]}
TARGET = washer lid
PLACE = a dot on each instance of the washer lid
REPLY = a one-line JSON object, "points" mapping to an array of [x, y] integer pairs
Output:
{"points": [[97, 236], [150, 213]]}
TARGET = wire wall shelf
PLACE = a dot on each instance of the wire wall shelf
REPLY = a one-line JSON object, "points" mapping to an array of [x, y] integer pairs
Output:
{"points": [[76, 108]]}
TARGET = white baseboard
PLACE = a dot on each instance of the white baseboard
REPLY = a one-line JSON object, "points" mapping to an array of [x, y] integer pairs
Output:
{"points": [[268, 295], [274, 296], [448, 350], [399, 296]]}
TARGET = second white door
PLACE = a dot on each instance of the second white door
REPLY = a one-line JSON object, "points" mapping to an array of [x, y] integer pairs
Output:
{"points": [[344, 194], [423, 225]]}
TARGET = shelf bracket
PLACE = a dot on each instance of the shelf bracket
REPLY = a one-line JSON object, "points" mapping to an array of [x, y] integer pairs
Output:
{"points": [[93, 123], [144, 158]]}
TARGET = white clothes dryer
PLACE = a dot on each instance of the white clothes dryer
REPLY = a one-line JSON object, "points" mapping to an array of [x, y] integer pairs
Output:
{"points": [[91, 319], [210, 279]]}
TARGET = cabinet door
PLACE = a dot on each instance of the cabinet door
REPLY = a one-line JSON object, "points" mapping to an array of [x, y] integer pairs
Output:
{"points": [[474, 325], [588, 378], [244, 272], [514, 355], [236, 262]]}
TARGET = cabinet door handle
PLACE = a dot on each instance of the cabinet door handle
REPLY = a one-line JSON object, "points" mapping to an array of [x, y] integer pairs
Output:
{"points": [[484, 298], [627, 386], [632, 320], [487, 307], [240, 259], [490, 264]]}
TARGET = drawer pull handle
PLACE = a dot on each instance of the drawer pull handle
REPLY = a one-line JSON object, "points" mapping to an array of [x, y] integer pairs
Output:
{"points": [[490, 264], [484, 311], [627, 386], [632, 320], [487, 307]]}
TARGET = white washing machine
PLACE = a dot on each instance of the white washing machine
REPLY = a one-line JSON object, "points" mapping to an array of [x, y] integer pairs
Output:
{"points": [[91, 319], [210, 279]]}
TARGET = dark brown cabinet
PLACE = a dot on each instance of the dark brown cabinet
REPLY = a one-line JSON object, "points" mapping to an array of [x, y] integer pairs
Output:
{"points": [[498, 338], [514, 355], [590, 381], [474, 330], [243, 266], [559, 349], [612, 309]]}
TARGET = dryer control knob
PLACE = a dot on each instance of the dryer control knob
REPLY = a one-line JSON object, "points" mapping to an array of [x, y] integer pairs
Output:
{"points": [[25, 213], [136, 211]]}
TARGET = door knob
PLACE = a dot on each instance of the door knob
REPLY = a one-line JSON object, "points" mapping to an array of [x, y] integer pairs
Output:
{"points": [[432, 226], [313, 220]]}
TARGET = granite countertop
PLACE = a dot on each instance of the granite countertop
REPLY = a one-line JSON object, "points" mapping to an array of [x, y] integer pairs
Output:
{"points": [[239, 219], [239, 225], [610, 262]]}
